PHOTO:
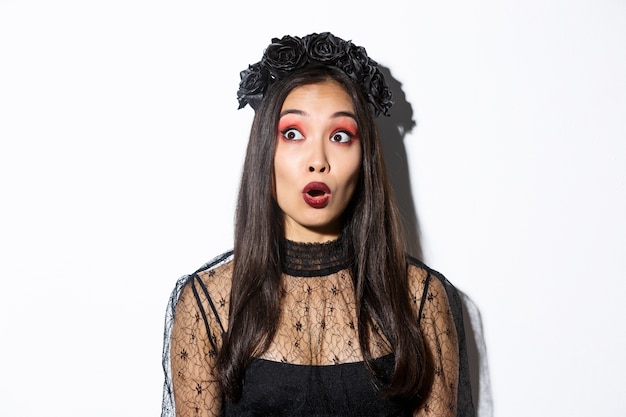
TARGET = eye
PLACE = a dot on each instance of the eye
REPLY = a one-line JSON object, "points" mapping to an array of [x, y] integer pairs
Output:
{"points": [[341, 137], [292, 134]]}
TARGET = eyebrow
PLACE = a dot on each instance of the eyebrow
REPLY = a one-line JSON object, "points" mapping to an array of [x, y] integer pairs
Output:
{"points": [[305, 114]]}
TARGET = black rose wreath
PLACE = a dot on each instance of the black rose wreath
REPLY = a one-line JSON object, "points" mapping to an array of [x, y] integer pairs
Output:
{"points": [[291, 53]]}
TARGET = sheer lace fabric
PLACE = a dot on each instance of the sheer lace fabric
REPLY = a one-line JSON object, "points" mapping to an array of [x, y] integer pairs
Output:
{"points": [[316, 339]]}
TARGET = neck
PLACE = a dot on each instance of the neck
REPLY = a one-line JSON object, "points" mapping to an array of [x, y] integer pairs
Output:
{"points": [[315, 259], [302, 234]]}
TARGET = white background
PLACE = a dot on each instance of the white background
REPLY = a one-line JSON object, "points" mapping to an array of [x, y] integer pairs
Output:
{"points": [[120, 156]]}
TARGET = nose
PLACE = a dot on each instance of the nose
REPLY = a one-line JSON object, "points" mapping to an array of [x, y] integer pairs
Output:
{"points": [[317, 167], [318, 162]]}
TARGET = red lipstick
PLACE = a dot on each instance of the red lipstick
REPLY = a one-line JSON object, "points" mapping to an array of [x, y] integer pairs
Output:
{"points": [[316, 194]]}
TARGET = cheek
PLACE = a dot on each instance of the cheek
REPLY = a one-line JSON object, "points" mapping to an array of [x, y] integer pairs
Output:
{"points": [[355, 163], [283, 172], [352, 173], [354, 180]]}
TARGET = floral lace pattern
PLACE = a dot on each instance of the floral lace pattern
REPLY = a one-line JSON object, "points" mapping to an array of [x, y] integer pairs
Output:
{"points": [[317, 328]]}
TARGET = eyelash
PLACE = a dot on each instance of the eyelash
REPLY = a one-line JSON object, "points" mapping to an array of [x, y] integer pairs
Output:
{"points": [[286, 132], [348, 135]]}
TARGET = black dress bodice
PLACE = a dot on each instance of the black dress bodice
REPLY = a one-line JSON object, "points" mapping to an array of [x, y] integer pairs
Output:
{"points": [[280, 388]]}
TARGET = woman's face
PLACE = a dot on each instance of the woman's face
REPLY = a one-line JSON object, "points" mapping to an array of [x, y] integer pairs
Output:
{"points": [[317, 161]]}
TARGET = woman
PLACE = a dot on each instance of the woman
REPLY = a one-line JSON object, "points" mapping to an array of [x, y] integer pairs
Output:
{"points": [[317, 311]]}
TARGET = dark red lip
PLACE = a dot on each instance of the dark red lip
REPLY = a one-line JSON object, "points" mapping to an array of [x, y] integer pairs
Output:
{"points": [[316, 194]]}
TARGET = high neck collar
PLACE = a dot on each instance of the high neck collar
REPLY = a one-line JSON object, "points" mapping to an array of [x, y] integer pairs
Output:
{"points": [[315, 259]]}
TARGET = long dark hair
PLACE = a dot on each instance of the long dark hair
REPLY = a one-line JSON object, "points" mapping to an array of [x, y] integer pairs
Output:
{"points": [[371, 228]]}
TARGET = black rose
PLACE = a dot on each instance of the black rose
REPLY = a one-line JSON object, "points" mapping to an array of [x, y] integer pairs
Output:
{"points": [[254, 82], [284, 55], [379, 94], [325, 47], [290, 53], [354, 62]]}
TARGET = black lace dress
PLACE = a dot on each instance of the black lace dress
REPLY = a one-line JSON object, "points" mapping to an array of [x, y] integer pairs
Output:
{"points": [[314, 366]]}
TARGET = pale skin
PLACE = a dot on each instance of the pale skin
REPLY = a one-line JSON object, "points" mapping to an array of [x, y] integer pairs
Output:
{"points": [[317, 142]]}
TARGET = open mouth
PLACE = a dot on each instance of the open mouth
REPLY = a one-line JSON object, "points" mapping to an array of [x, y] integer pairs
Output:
{"points": [[316, 194]]}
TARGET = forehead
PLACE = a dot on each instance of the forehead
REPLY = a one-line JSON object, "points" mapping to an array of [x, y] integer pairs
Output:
{"points": [[326, 96]]}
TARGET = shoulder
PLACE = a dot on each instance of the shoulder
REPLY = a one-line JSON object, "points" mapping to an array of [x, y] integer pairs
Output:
{"points": [[217, 271], [420, 273], [213, 277], [431, 291], [218, 262], [419, 267], [423, 278], [204, 293]]}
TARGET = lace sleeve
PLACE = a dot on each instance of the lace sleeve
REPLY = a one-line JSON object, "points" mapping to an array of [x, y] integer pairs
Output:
{"points": [[192, 329], [193, 354], [440, 336]]}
